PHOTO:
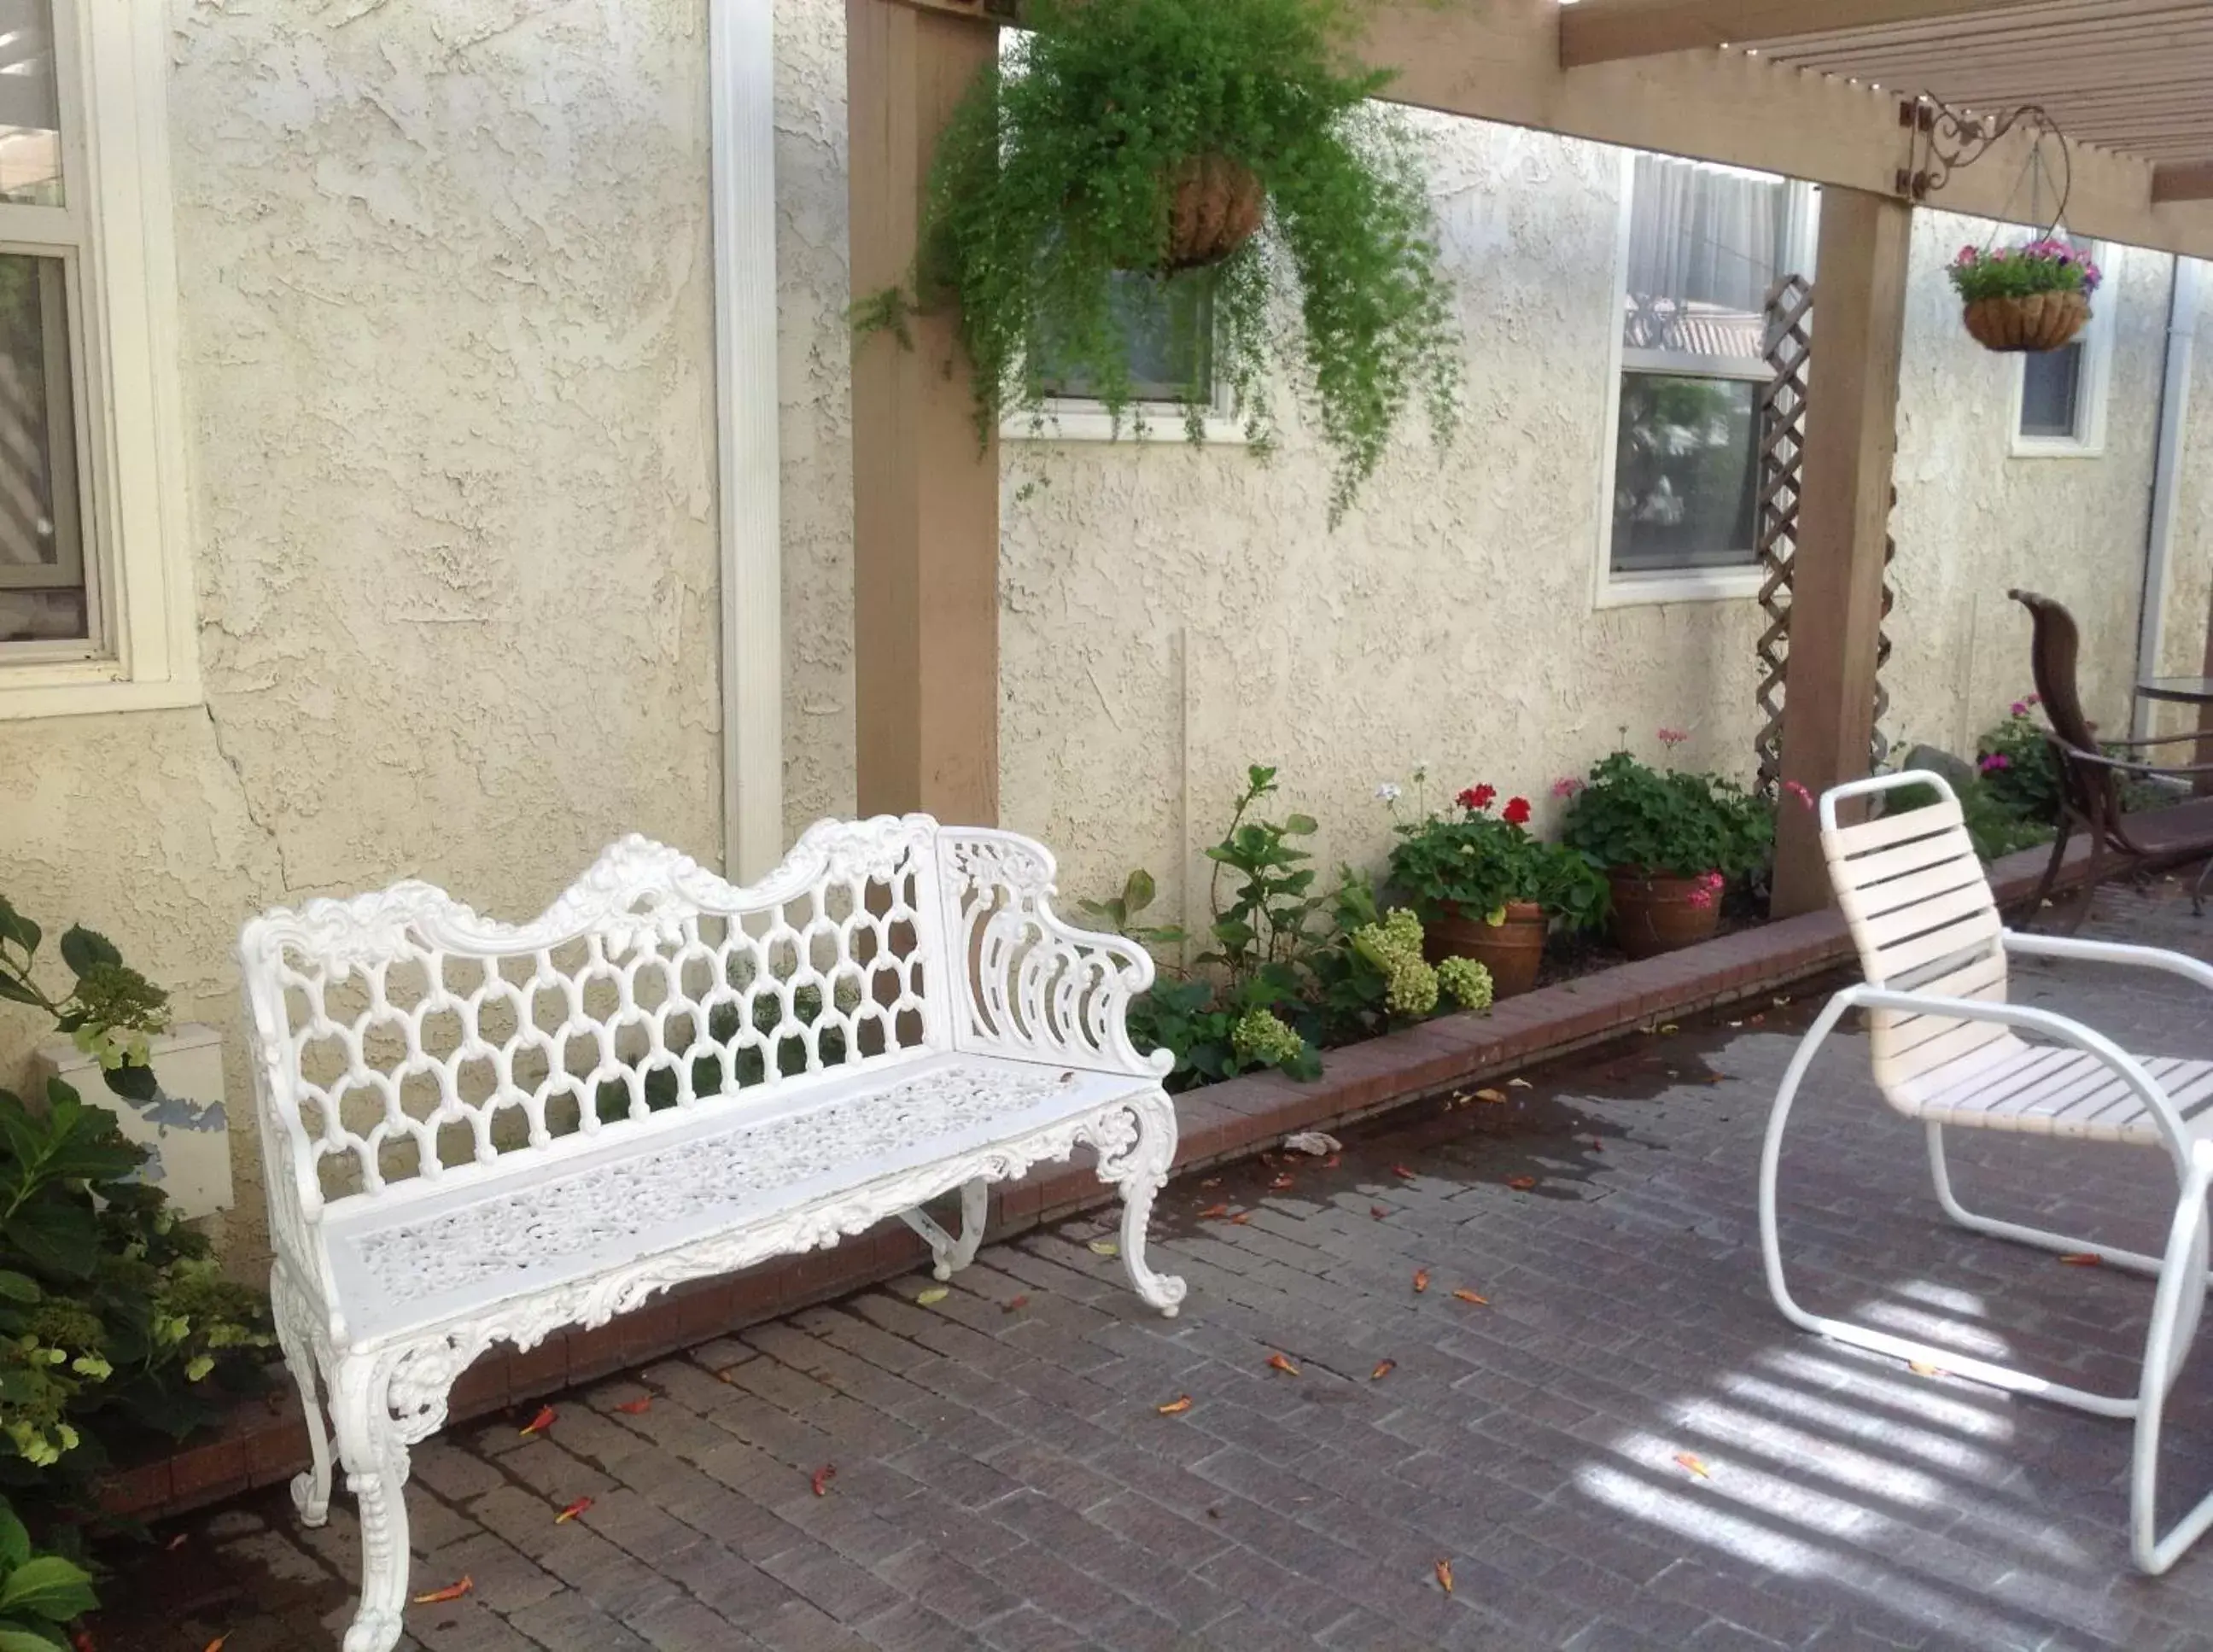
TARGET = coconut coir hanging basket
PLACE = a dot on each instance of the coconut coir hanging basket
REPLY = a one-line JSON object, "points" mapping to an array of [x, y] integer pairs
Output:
{"points": [[1215, 207], [2029, 321]]}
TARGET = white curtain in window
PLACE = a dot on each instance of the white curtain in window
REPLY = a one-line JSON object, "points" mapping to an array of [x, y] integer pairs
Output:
{"points": [[1707, 236]]}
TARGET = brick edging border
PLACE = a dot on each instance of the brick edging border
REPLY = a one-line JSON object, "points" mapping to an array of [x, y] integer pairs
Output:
{"points": [[262, 1443]]}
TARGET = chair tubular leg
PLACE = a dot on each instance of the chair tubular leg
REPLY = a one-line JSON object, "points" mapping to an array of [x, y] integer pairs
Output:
{"points": [[2043, 1238], [2181, 1290], [1857, 1336]]}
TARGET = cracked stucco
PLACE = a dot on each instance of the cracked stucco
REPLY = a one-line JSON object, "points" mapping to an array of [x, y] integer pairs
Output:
{"points": [[447, 352]]}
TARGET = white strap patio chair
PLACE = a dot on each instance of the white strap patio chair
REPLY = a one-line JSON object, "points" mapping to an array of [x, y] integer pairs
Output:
{"points": [[1947, 1050]]}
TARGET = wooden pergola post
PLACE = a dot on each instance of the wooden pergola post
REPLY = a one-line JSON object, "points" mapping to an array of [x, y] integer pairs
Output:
{"points": [[1843, 511], [925, 493]]}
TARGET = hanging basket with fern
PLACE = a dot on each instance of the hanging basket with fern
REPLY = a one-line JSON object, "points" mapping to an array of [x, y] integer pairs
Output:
{"points": [[1123, 143], [2035, 297]]}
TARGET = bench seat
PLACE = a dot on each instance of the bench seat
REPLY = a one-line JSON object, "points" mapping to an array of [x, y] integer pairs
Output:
{"points": [[671, 1201]]}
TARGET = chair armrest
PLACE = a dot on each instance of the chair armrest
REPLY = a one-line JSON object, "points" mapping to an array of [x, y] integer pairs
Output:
{"points": [[2192, 737], [2108, 952], [2124, 1066], [2099, 760]]}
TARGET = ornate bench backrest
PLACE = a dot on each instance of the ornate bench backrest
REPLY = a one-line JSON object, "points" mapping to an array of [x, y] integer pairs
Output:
{"points": [[400, 1038]]}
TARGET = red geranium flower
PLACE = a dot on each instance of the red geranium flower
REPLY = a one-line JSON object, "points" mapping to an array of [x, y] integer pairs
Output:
{"points": [[1517, 811], [1477, 796]]}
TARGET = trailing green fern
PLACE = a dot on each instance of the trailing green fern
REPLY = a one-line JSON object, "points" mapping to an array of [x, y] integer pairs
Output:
{"points": [[1053, 181]]}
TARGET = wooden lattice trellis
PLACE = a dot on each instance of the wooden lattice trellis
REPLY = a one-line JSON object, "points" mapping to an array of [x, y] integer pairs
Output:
{"points": [[1781, 458]]}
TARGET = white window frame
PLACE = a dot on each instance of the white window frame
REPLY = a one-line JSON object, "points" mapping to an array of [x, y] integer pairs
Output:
{"points": [[1610, 589], [2089, 441], [1085, 418], [111, 69]]}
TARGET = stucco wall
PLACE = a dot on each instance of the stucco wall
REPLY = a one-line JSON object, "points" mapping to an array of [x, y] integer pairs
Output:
{"points": [[1973, 519], [2190, 571], [1169, 615], [448, 366]]}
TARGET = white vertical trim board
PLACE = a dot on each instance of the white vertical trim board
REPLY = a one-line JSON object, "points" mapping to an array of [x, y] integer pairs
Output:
{"points": [[742, 65]]}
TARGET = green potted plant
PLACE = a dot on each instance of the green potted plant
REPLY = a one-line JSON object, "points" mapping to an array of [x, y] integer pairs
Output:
{"points": [[2023, 298], [1127, 143], [1487, 888], [1669, 840]]}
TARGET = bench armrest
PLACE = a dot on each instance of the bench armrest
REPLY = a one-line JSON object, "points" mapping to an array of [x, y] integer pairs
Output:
{"points": [[1031, 986]]}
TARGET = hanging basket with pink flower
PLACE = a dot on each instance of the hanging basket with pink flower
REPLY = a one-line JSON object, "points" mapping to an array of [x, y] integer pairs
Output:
{"points": [[2035, 297]]}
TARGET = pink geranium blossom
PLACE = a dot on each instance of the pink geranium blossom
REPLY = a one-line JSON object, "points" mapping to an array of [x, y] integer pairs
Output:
{"points": [[1673, 736], [1566, 786], [1805, 798]]}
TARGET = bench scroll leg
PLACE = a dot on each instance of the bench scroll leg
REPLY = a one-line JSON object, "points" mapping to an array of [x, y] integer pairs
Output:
{"points": [[311, 1491], [1139, 1165], [375, 1453]]}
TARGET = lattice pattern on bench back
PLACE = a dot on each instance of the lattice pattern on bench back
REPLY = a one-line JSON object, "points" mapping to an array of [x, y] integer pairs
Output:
{"points": [[401, 1036]]}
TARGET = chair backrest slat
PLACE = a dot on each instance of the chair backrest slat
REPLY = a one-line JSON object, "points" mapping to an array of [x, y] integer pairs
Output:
{"points": [[1922, 918]]}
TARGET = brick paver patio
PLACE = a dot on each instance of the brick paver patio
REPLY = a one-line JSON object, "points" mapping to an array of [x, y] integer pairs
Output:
{"points": [[1003, 1476]]}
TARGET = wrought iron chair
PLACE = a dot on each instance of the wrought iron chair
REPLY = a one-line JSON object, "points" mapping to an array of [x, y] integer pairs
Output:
{"points": [[2090, 775], [1943, 1040]]}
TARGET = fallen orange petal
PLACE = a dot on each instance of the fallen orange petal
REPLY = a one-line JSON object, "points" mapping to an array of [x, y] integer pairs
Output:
{"points": [[823, 1476], [1421, 1280], [1520, 1184], [451, 1591], [538, 1423], [1444, 1576], [638, 1407], [1383, 1369], [1377, 1211], [1402, 1172], [1175, 1407], [1684, 1459], [572, 1510], [1214, 1213], [1240, 1218], [1012, 1303], [1278, 1363], [1281, 1183], [2084, 1259], [216, 1645], [1470, 1296], [1332, 1161]]}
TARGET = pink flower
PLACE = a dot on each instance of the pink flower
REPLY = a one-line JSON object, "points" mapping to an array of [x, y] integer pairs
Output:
{"points": [[1566, 786], [2020, 708], [2035, 699], [1516, 811], [1711, 879], [1805, 798], [1702, 897], [1673, 736], [1994, 760]]}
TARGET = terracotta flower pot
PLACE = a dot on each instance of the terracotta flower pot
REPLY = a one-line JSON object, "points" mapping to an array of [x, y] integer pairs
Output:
{"points": [[1217, 207], [1653, 915], [1510, 949], [2037, 321]]}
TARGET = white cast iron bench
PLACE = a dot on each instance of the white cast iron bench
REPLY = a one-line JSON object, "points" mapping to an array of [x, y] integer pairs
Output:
{"points": [[474, 1132]]}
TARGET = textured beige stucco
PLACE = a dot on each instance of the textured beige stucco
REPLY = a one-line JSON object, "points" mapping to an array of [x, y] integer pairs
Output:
{"points": [[448, 355], [1973, 521]]}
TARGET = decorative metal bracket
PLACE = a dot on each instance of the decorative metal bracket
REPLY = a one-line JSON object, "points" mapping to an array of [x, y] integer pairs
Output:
{"points": [[1943, 139]]}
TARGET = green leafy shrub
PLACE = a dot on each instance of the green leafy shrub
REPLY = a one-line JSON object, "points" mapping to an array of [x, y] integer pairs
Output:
{"points": [[1995, 826], [2017, 766], [1666, 823], [1055, 179], [110, 1011], [113, 1313], [39, 1593], [1283, 977], [1478, 861]]}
